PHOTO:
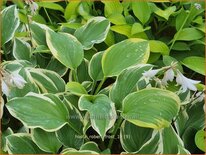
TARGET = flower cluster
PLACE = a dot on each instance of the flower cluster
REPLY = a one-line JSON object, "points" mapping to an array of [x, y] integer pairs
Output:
{"points": [[32, 6], [169, 75], [197, 6], [10, 80]]}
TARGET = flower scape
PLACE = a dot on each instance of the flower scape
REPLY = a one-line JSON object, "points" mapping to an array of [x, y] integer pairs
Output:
{"points": [[102, 77]]}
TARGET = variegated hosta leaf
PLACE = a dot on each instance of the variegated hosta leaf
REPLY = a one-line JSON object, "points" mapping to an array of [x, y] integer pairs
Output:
{"points": [[93, 32], [36, 110], [21, 143], [138, 140], [71, 134], [66, 48], [4, 134], [90, 146], [172, 143], [47, 80], [21, 50], [102, 112], [74, 151], [10, 22], [126, 83], [152, 108], [38, 32], [124, 54], [95, 67], [47, 141], [69, 137]]}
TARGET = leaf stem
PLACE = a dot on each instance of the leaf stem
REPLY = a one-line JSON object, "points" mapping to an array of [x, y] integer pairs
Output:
{"points": [[74, 73], [100, 85], [93, 87], [47, 15], [119, 122]]}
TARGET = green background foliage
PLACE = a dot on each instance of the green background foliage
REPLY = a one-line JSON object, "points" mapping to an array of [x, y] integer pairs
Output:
{"points": [[83, 62]]}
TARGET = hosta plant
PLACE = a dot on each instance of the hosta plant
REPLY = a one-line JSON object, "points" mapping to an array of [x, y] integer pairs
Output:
{"points": [[102, 77]]}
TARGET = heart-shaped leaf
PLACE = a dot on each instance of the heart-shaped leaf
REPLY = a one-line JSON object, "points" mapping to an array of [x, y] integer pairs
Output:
{"points": [[102, 112], [93, 32]]}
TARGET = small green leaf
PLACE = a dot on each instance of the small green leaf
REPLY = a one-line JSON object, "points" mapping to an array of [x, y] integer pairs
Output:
{"points": [[122, 29], [102, 112], [189, 34], [158, 47], [51, 5], [138, 28], [195, 63], [47, 141], [76, 88], [180, 19], [181, 46], [164, 13], [152, 108], [10, 22], [71, 9], [124, 54], [95, 67], [93, 32], [36, 110], [200, 140], [22, 144], [141, 10], [117, 19], [59, 43], [110, 39], [110, 6]]}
